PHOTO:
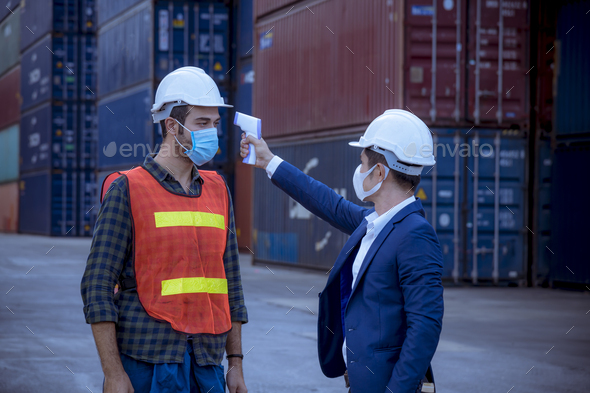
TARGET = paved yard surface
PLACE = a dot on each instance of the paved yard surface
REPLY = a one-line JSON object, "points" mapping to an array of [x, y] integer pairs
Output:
{"points": [[494, 339]]}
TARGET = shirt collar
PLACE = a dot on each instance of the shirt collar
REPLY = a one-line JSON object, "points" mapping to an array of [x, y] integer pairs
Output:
{"points": [[377, 222], [161, 174]]}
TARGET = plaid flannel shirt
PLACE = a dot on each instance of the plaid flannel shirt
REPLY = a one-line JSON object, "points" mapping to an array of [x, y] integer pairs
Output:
{"points": [[111, 260]]}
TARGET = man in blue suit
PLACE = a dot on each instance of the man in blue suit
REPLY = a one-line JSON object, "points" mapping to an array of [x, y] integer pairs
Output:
{"points": [[380, 314]]}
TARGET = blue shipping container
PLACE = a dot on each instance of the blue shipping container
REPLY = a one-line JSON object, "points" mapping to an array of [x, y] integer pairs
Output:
{"points": [[49, 137], [87, 135], [286, 232], [573, 69], [109, 9], [49, 71], [47, 203], [9, 41], [88, 208], [11, 6], [245, 30], [61, 16], [125, 129], [544, 253], [88, 67]]}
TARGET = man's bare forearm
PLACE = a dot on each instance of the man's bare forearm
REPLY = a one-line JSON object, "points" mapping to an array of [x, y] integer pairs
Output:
{"points": [[106, 343], [234, 345]]}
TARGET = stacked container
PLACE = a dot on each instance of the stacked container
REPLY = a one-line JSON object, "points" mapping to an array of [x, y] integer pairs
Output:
{"points": [[139, 43], [58, 120], [9, 115], [326, 70]]}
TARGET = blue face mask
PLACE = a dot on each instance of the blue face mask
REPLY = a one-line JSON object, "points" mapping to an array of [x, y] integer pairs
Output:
{"points": [[205, 145]]}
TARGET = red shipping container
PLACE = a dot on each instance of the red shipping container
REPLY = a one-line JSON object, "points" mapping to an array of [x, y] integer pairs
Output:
{"points": [[437, 97], [11, 99], [9, 207], [334, 65], [243, 205], [264, 7], [477, 78], [498, 62]]}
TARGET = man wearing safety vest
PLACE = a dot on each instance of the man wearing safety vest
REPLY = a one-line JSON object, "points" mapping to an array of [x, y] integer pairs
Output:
{"points": [[165, 234], [380, 314]]}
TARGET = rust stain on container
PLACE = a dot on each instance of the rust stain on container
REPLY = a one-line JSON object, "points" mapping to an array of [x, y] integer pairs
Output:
{"points": [[332, 65]]}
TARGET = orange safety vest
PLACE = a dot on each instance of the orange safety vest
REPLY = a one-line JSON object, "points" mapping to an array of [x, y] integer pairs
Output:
{"points": [[178, 244]]}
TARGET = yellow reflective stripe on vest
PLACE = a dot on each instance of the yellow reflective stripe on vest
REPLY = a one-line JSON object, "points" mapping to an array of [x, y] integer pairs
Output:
{"points": [[178, 286], [189, 219]]}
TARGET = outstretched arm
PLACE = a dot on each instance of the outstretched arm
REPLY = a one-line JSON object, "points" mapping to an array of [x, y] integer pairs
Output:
{"points": [[316, 197]]}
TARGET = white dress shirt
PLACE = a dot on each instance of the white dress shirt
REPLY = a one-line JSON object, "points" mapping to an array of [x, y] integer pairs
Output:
{"points": [[375, 223]]}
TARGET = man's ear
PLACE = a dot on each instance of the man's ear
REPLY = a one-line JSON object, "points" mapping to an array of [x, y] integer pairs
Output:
{"points": [[171, 126]]}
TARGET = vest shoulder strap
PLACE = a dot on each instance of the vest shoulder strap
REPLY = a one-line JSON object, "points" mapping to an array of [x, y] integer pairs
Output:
{"points": [[106, 184]]}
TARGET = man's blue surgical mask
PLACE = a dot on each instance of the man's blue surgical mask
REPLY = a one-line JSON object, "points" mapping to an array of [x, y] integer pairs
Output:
{"points": [[205, 145]]}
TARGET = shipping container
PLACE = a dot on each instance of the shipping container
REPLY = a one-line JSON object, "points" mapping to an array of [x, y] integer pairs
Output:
{"points": [[572, 93], [87, 208], [109, 9], [543, 254], [87, 135], [48, 203], [49, 70], [49, 137], [333, 65], [9, 153], [9, 207], [245, 29], [10, 93], [243, 204], [125, 129], [181, 33], [265, 7], [9, 9], [475, 198], [570, 215], [9, 44], [88, 67], [62, 16], [467, 75]]}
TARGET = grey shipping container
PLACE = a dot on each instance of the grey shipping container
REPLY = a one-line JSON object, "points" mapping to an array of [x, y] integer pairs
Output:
{"points": [[9, 8], [10, 41], [109, 9], [9, 153], [470, 211]]}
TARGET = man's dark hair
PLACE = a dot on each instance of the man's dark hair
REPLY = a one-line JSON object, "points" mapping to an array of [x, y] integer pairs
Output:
{"points": [[401, 179], [179, 113]]}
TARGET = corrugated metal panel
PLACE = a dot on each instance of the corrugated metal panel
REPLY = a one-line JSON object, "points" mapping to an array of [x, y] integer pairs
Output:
{"points": [[573, 70], [125, 129], [48, 203], [263, 7], [543, 252], [37, 21], [284, 232], [10, 7], [9, 42], [440, 96], [125, 52], [498, 68], [10, 93], [46, 75], [9, 207], [570, 216], [9, 153], [88, 135], [49, 137], [245, 30], [109, 9], [336, 67], [88, 67]]}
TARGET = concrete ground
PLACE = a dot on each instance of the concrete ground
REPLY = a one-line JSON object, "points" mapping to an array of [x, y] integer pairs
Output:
{"points": [[494, 339]]}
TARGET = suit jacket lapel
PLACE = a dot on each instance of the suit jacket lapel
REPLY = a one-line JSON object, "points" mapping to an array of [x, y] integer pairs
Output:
{"points": [[353, 240], [411, 208]]}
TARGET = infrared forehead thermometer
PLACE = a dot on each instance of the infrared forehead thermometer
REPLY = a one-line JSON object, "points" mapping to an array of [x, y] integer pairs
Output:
{"points": [[251, 126]]}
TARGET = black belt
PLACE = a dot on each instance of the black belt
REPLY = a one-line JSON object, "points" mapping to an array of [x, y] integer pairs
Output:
{"points": [[127, 284]]}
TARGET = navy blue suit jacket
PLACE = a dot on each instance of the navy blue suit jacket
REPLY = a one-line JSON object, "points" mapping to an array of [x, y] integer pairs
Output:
{"points": [[392, 318]]}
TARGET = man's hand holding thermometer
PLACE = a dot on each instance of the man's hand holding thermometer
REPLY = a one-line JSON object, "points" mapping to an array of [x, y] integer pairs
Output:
{"points": [[253, 148]]}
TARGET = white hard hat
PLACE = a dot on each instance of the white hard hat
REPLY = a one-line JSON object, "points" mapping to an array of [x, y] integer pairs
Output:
{"points": [[185, 86], [402, 138]]}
